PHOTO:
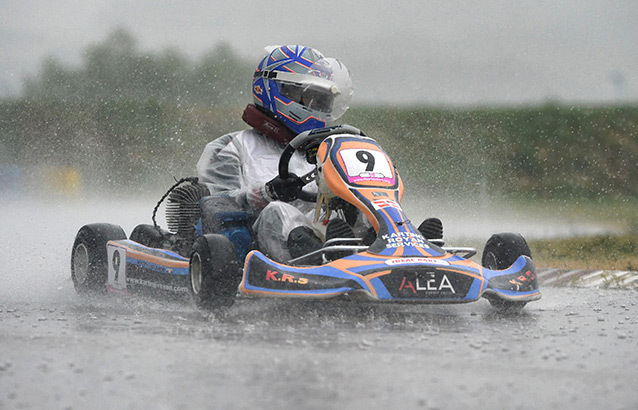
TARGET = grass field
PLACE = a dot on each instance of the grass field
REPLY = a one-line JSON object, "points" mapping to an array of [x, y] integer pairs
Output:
{"points": [[606, 252], [609, 251]]}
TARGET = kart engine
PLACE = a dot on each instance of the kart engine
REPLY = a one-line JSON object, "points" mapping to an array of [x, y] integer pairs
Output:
{"points": [[182, 207]]}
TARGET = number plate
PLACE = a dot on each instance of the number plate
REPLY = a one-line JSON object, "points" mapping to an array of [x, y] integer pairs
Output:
{"points": [[366, 165], [116, 257]]}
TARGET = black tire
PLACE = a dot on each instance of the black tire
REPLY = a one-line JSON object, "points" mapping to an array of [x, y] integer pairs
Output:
{"points": [[214, 272], [89, 267], [147, 235], [500, 252]]}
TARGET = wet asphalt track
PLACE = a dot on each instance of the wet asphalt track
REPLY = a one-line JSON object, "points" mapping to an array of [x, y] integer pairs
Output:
{"points": [[575, 348]]}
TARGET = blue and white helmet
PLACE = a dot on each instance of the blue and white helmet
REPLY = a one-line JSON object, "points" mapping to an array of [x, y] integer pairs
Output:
{"points": [[301, 87]]}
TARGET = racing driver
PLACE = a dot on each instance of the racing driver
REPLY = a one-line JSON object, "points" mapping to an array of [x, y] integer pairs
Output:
{"points": [[295, 89]]}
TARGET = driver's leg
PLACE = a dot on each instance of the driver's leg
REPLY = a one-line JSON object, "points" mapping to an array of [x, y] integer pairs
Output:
{"points": [[273, 226]]}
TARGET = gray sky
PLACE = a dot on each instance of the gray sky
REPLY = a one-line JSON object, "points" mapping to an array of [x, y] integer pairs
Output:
{"points": [[440, 52]]}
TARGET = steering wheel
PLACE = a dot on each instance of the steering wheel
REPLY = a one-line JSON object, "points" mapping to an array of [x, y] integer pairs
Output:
{"points": [[305, 140]]}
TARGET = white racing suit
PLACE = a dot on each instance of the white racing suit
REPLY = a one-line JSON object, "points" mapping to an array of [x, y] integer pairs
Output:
{"points": [[238, 165]]}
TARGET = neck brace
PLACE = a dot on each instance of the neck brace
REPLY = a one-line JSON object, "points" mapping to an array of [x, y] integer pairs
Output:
{"points": [[267, 125]]}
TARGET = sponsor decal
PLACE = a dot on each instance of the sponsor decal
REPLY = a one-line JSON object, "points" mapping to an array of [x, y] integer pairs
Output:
{"points": [[427, 282], [371, 176], [155, 285], [403, 239], [404, 261], [257, 89], [377, 194], [523, 279], [432, 282], [275, 276], [385, 203]]}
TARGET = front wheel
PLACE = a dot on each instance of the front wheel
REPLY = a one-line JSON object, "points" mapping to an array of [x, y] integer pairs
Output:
{"points": [[500, 252], [89, 266], [214, 272]]}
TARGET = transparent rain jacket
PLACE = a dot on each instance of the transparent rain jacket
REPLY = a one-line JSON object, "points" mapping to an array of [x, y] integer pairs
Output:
{"points": [[238, 165]]}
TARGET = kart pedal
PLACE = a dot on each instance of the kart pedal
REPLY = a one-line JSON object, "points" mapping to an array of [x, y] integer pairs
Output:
{"points": [[338, 228], [432, 228]]}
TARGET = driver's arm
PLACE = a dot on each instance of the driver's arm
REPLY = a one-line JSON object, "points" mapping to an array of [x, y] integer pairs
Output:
{"points": [[219, 167]]}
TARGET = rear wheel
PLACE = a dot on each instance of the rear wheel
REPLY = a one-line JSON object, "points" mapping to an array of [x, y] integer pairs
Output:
{"points": [[147, 235], [89, 267], [214, 272], [500, 252]]}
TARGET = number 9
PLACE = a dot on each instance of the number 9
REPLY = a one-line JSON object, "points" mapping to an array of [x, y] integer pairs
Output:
{"points": [[366, 158]]}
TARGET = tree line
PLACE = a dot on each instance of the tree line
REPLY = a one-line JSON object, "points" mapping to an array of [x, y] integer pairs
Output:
{"points": [[116, 69]]}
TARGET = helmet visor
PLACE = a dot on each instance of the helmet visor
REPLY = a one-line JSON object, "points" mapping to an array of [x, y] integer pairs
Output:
{"points": [[326, 88], [313, 97], [342, 88]]}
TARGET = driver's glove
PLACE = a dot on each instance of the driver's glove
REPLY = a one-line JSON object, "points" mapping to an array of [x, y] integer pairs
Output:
{"points": [[286, 190]]}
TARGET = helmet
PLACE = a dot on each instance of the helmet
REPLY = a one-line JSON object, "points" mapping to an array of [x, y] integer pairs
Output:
{"points": [[301, 88]]}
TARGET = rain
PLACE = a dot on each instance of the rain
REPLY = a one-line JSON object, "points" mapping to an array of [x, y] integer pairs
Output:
{"points": [[499, 116]]}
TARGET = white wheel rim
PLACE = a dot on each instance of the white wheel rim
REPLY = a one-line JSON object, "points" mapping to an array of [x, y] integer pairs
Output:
{"points": [[196, 273], [81, 263]]}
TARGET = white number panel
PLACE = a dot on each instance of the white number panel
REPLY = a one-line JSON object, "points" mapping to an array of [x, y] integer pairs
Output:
{"points": [[117, 267], [366, 165]]}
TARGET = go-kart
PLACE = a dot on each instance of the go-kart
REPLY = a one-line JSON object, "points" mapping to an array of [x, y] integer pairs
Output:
{"points": [[211, 255]]}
